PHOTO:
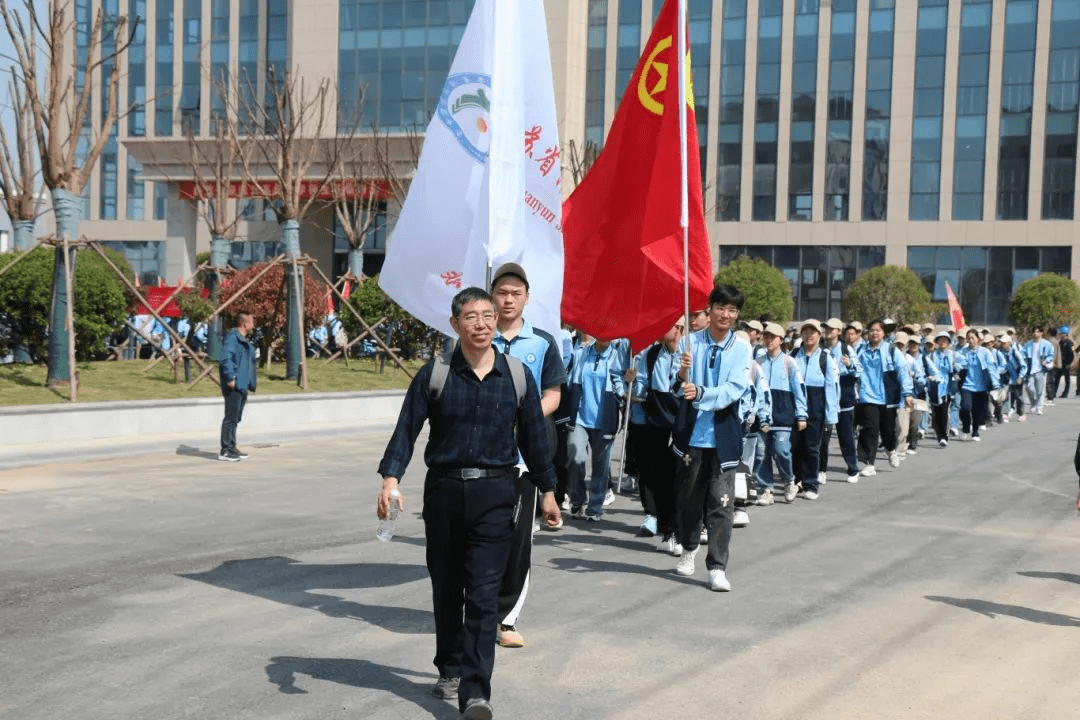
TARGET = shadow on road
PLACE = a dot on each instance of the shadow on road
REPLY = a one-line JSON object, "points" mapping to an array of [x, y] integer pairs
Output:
{"points": [[282, 671], [189, 451], [1063, 576], [288, 581], [993, 610]]}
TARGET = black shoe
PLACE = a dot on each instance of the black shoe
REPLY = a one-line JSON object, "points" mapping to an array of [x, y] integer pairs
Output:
{"points": [[228, 456], [446, 688], [477, 709]]}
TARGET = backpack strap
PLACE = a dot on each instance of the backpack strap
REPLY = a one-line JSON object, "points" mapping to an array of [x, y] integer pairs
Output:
{"points": [[440, 370]]}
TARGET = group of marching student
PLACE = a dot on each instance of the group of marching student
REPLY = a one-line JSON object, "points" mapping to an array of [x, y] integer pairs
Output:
{"points": [[716, 416]]}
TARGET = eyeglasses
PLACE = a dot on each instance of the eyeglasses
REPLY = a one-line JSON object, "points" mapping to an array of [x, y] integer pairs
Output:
{"points": [[472, 317]]}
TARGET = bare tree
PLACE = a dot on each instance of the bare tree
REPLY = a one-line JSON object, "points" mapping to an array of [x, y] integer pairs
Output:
{"points": [[294, 119], [57, 71]]}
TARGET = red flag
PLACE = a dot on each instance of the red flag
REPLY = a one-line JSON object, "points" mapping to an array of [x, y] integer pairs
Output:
{"points": [[954, 309], [621, 230]]}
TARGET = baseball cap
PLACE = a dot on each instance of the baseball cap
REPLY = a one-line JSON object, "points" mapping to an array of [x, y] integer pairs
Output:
{"points": [[510, 269], [774, 329]]}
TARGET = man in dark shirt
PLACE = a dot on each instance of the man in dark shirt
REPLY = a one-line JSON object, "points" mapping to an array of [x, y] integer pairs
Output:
{"points": [[469, 495]]}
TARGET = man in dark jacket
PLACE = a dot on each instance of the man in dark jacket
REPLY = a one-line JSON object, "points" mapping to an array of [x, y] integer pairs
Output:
{"points": [[237, 371]]}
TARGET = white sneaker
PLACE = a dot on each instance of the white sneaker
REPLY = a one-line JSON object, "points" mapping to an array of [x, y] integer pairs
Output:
{"points": [[742, 518], [822, 478], [894, 459], [718, 581], [790, 491], [609, 498], [853, 478], [685, 566], [868, 471]]}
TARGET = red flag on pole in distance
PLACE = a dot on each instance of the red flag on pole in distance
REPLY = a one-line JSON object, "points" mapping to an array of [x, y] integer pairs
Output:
{"points": [[955, 311], [621, 226]]}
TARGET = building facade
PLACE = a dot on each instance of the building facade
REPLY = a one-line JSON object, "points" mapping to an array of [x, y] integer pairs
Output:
{"points": [[836, 135]]}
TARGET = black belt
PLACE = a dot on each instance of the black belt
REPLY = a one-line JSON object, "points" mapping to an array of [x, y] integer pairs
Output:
{"points": [[474, 473]]}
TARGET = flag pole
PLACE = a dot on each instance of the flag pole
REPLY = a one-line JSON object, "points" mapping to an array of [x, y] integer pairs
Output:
{"points": [[684, 210]]}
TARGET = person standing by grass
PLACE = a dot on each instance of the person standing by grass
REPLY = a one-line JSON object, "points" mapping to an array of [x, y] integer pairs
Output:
{"points": [[238, 377]]}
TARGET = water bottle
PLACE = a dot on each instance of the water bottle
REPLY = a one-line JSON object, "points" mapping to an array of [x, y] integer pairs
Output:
{"points": [[386, 527]]}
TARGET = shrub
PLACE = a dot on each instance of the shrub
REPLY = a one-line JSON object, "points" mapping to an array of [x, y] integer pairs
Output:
{"points": [[766, 289], [888, 291], [100, 307], [1048, 300]]}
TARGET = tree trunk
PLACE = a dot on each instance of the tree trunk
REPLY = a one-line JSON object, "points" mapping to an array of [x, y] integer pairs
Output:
{"points": [[356, 261], [24, 234], [294, 286], [219, 259], [24, 240], [67, 206]]}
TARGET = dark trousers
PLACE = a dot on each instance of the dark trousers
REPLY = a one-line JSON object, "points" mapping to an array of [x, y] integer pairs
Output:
{"points": [[520, 559], [939, 416], [876, 423], [806, 453], [1053, 376], [1016, 397], [703, 484], [845, 436], [468, 524], [562, 462], [637, 458], [973, 407], [657, 465], [235, 400]]}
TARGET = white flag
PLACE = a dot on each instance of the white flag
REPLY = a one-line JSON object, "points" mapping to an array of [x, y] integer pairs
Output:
{"points": [[486, 190]]}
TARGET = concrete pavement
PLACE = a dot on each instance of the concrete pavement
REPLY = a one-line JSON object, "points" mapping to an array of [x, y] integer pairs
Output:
{"points": [[169, 585]]}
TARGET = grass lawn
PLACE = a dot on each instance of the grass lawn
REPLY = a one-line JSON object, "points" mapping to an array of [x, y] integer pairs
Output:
{"points": [[129, 380]]}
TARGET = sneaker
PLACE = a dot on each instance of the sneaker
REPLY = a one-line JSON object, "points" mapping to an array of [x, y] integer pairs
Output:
{"points": [[853, 478], [648, 527], [609, 498], [808, 494], [670, 546], [868, 471], [446, 688], [790, 491], [477, 709], [765, 497], [228, 456], [912, 451], [508, 637], [822, 478], [718, 581], [1022, 418], [685, 566], [894, 459], [742, 519]]}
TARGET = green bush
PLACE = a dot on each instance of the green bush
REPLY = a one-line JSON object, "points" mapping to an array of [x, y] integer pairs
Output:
{"points": [[1048, 300], [101, 301], [888, 291], [399, 330], [766, 289]]}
